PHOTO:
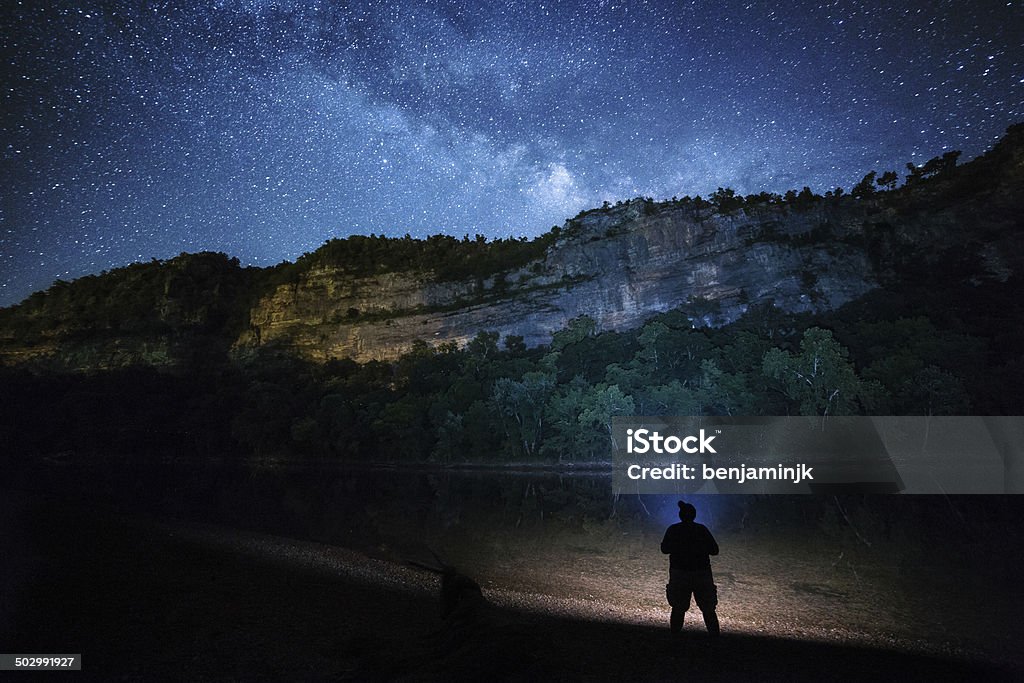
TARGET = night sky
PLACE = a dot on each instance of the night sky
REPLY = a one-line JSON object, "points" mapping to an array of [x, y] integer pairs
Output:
{"points": [[136, 130]]}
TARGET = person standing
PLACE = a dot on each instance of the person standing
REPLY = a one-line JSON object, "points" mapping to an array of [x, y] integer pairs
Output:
{"points": [[689, 546]]}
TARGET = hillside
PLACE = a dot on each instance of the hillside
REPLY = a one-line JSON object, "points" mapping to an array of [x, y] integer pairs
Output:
{"points": [[371, 298]]}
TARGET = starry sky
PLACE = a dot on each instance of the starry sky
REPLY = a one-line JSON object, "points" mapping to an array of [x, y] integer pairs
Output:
{"points": [[134, 130]]}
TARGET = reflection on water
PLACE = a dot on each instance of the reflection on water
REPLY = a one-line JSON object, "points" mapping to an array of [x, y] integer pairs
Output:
{"points": [[486, 518], [401, 510]]}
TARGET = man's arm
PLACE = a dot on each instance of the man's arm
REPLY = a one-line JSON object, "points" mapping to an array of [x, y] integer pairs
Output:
{"points": [[712, 543], [666, 543]]}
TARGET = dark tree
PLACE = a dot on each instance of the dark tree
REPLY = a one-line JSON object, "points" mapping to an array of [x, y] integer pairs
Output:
{"points": [[888, 180], [866, 187]]}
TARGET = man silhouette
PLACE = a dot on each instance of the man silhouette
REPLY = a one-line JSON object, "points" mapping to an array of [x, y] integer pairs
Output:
{"points": [[689, 546]]}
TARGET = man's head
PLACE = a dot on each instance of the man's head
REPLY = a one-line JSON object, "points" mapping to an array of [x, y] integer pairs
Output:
{"points": [[687, 512]]}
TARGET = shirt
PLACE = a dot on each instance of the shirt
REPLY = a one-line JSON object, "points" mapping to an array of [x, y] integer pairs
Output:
{"points": [[689, 546]]}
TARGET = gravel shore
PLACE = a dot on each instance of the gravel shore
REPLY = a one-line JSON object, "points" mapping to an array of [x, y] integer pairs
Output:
{"points": [[145, 599]]}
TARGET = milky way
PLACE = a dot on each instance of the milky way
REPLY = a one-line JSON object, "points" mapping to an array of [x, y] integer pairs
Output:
{"points": [[140, 130]]}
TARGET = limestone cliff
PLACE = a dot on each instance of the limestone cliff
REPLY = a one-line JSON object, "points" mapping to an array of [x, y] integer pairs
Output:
{"points": [[618, 266]]}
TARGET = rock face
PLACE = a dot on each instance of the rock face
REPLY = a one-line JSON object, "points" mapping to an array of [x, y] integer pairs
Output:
{"points": [[618, 265]]}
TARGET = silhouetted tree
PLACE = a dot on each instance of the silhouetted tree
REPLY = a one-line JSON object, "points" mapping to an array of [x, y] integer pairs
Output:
{"points": [[866, 186], [888, 180], [726, 200]]}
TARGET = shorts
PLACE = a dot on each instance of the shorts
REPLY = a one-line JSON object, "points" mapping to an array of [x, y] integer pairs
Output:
{"points": [[700, 584]]}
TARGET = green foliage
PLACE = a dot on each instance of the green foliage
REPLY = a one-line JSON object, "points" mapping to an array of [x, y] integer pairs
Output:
{"points": [[520, 403], [569, 439], [577, 330], [484, 345], [446, 257], [602, 404], [916, 362], [515, 345], [725, 393], [819, 379], [202, 299]]}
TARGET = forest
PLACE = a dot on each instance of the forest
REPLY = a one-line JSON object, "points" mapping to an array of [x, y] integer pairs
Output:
{"points": [[496, 401]]}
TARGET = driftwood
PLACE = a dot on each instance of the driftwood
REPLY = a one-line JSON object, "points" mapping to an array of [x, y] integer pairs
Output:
{"points": [[477, 639], [461, 597]]}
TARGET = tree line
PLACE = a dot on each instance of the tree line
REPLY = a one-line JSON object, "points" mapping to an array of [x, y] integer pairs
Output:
{"points": [[495, 400]]}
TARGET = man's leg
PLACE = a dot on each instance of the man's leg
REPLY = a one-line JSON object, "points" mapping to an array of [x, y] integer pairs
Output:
{"points": [[711, 622], [707, 600], [677, 618], [678, 594]]}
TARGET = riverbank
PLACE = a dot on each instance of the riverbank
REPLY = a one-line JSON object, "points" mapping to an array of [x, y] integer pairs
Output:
{"points": [[146, 599]]}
